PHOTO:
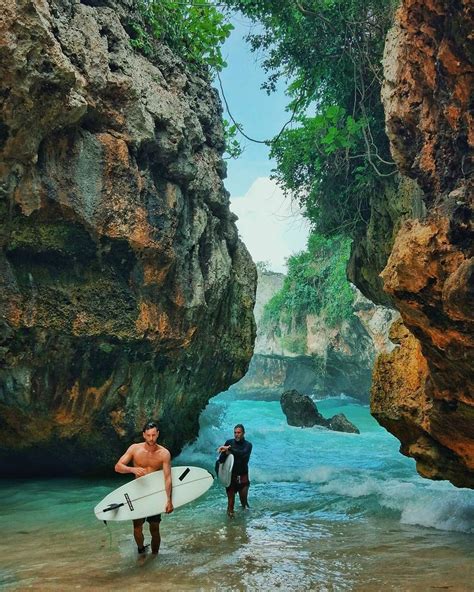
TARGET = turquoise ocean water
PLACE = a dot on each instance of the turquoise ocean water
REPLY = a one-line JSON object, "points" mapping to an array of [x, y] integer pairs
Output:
{"points": [[329, 512]]}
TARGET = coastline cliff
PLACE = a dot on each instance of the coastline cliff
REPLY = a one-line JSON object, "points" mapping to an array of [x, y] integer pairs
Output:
{"points": [[125, 291], [423, 392], [309, 354]]}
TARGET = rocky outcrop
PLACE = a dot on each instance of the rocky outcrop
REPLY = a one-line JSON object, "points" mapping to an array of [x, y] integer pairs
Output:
{"points": [[301, 411], [314, 358], [340, 423], [400, 200], [424, 391], [376, 321], [125, 291], [268, 284]]}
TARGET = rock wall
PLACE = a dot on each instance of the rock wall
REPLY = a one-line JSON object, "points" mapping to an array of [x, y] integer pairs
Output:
{"points": [[400, 200], [315, 359], [125, 292], [424, 391]]}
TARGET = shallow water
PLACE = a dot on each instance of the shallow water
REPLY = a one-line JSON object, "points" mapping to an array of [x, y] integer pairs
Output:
{"points": [[329, 512]]}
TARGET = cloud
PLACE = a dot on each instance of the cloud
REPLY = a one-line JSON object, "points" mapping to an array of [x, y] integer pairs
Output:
{"points": [[270, 225]]}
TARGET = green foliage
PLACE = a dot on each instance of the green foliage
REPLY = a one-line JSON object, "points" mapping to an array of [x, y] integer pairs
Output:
{"points": [[275, 309], [323, 165], [295, 343], [316, 283], [194, 31], [233, 148], [330, 51]]}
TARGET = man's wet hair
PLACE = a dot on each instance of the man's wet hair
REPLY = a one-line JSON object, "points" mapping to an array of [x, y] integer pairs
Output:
{"points": [[150, 425], [239, 425]]}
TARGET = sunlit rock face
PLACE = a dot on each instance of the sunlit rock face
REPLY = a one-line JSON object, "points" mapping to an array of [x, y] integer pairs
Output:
{"points": [[312, 357], [424, 391], [125, 292], [400, 200]]}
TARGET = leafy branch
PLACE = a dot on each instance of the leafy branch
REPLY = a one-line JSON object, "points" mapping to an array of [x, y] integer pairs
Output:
{"points": [[194, 31]]}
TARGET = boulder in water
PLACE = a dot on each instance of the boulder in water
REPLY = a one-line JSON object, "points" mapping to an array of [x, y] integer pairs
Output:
{"points": [[340, 423], [301, 410]]}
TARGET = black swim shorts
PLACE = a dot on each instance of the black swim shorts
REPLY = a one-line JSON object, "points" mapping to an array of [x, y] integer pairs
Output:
{"points": [[156, 518]]}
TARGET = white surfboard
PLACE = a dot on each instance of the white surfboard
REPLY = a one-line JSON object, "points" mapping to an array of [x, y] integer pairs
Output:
{"points": [[225, 470], [146, 496]]}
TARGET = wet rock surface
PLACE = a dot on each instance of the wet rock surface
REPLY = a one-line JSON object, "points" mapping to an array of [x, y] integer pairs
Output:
{"points": [[300, 410], [340, 423]]}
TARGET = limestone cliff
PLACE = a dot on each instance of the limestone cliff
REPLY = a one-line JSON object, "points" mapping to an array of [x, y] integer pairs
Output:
{"points": [[424, 391], [400, 200], [314, 358], [125, 292]]}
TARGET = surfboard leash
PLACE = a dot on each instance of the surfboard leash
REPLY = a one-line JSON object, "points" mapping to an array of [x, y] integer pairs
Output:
{"points": [[109, 530]]}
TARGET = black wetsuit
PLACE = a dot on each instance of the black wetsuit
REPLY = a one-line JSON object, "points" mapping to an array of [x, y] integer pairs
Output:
{"points": [[241, 451], [239, 482]]}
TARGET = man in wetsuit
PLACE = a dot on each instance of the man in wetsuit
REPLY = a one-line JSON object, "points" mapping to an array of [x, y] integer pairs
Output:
{"points": [[241, 449], [147, 457]]}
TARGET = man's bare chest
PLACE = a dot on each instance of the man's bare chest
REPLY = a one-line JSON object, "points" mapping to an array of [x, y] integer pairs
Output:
{"points": [[145, 458]]}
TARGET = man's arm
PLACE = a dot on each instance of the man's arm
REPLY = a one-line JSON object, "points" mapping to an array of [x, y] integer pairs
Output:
{"points": [[224, 450], [122, 464], [168, 484]]}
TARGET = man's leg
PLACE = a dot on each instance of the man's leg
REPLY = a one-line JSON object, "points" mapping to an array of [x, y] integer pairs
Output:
{"points": [[230, 501], [243, 494], [138, 534], [154, 522], [155, 537]]}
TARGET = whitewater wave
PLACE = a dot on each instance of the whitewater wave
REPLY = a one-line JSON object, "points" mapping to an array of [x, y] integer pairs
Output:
{"points": [[434, 505], [431, 505], [293, 475], [355, 475]]}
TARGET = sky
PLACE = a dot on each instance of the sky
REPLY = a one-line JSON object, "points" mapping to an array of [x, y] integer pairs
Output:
{"points": [[258, 201], [270, 225]]}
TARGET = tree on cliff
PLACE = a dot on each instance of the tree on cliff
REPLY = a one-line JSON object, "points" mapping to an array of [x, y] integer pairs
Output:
{"points": [[330, 51], [316, 283]]}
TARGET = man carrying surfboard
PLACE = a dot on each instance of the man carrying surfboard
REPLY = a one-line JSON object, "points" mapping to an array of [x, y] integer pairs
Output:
{"points": [[147, 457], [241, 449]]}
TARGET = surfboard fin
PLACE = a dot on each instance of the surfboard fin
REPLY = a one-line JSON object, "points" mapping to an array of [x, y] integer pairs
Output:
{"points": [[113, 507]]}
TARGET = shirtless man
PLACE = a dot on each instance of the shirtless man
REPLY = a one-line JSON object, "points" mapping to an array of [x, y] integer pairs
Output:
{"points": [[147, 457]]}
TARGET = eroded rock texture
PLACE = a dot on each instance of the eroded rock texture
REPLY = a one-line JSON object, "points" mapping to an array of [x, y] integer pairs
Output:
{"points": [[311, 357], [125, 292], [424, 391]]}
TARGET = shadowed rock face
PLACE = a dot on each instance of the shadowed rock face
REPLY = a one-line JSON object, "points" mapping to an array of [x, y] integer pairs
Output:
{"points": [[424, 391], [300, 410], [125, 292]]}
